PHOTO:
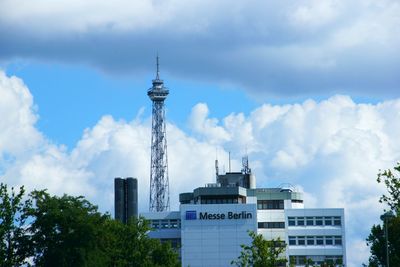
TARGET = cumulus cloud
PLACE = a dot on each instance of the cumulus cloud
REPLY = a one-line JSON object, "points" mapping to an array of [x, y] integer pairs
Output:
{"points": [[270, 48], [111, 148], [331, 150], [18, 117], [208, 128]]}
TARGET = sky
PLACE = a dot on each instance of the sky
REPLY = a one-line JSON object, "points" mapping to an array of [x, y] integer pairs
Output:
{"points": [[308, 89]]}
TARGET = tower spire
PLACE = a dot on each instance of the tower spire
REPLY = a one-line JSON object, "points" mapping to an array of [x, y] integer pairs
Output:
{"points": [[159, 183], [158, 69]]}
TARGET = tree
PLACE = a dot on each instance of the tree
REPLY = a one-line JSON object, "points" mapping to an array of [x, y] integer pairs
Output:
{"points": [[70, 231], [392, 182], [65, 231], [15, 245], [129, 245], [376, 240], [261, 253]]}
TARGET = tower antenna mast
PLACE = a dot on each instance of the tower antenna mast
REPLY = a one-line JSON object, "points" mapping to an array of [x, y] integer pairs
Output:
{"points": [[159, 183]]}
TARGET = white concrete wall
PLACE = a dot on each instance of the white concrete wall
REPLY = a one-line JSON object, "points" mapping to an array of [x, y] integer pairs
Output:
{"points": [[215, 242], [323, 230]]}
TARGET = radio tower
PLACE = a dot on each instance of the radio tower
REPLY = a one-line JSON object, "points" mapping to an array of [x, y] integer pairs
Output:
{"points": [[159, 185]]}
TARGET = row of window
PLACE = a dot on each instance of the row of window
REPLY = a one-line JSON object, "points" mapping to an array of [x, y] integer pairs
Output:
{"points": [[336, 260], [270, 204], [314, 221], [223, 200], [297, 201], [271, 225], [165, 224], [315, 240]]}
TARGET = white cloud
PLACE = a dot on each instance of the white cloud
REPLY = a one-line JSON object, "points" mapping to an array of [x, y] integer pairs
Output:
{"points": [[206, 127], [331, 150], [18, 133], [315, 14]]}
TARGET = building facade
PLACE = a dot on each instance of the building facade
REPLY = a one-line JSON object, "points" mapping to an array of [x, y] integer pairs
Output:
{"points": [[213, 222]]}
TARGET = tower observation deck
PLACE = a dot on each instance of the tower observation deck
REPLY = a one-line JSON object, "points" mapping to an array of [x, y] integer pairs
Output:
{"points": [[159, 184]]}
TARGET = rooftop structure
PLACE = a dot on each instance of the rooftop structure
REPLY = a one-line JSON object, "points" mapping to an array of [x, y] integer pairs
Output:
{"points": [[213, 222]]}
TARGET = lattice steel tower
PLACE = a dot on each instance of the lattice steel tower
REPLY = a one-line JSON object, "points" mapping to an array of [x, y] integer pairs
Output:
{"points": [[159, 184]]}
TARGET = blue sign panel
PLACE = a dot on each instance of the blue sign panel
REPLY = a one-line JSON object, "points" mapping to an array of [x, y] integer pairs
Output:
{"points": [[191, 215]]}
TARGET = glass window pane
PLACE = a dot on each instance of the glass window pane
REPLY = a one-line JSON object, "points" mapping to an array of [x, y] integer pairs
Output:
{"points": [[300, 221], [318, 221], [292, 240], [310, 220], [338, 240], [337, 221], [328, 220], [320, 240], [301, 240], [281, 204], [310, 240], [328, 240]]}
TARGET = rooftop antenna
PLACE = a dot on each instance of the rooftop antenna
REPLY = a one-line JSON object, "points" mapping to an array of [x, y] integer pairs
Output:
{"points": [[216, 164], [245, 165], [229, 161]]}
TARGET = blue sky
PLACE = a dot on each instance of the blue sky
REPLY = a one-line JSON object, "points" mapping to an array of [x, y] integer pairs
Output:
{"points": [[310, 89], [71, 98]]}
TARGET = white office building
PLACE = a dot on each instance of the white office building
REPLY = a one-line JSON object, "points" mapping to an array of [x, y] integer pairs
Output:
{"points": [[213, 221]]}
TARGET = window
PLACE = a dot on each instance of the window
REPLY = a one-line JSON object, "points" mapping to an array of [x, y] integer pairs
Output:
{"points": [[271, 225], [164, 224], [155, 224], [279, 244], [337, 221], [300, 220], [292, 221], [315, 240], [301, 260], [338, 240], [275, 225], [328, 220], [297, 201], [318, 221], [310, 221], [270, 204], [174, 223], [310, 240]]}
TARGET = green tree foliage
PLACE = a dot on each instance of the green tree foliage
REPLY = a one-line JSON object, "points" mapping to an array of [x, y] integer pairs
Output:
{"points": [[47, 230], [392, 182], [261, 253], [376, 240], [14, 238], [129, 245], [65, 230]]}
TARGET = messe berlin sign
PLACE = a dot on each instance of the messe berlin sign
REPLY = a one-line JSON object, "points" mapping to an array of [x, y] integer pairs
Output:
{"points": [[192, 215]]}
